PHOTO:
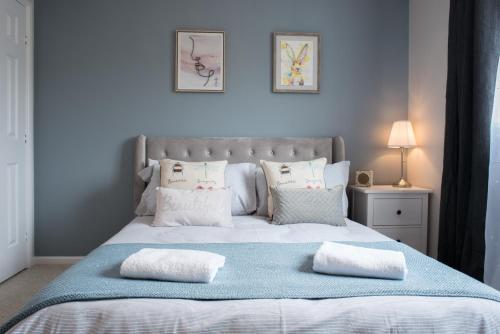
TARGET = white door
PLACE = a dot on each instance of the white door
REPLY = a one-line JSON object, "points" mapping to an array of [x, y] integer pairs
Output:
{"points": [[13, 125]]}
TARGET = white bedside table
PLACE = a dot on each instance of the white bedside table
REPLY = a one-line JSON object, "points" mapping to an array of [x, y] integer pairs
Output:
{"points": [[399, 213]]}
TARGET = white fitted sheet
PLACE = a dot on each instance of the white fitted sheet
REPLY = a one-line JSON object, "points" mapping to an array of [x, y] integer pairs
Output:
{"points": [[246, 229], [360, 315]]}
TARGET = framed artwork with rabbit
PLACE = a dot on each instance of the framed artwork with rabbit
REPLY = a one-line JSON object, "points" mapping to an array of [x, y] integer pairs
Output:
{"points": [[296, 62]]}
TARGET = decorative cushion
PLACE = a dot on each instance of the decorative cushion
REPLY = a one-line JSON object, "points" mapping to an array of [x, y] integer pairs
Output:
{"points": [[192, 175], [319, 206], [301, 174], [338, 174], [176, 207]]}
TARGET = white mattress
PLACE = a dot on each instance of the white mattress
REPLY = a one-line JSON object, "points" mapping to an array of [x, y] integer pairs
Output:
{"points": [[359, 315]]}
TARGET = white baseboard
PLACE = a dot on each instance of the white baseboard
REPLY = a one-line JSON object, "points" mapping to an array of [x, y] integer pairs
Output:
{"points": [[56, 259]]}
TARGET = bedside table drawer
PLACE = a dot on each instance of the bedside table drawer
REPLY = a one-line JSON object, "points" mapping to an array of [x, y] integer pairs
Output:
{"points": [[412, 236], [397, 211]]}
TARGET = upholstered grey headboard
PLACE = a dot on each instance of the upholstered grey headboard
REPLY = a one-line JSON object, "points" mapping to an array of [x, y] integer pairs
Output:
{"points": [[233, 149]]}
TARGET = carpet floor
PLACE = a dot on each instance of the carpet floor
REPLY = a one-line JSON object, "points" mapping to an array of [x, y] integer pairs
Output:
{"points": [[17, 290]]}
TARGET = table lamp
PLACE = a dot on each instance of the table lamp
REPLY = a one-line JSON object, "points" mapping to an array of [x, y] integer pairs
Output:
{"points": [[402, 137]]}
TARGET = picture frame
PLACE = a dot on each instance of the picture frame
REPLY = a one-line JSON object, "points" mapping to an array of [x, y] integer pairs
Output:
{"points": [[296, 62], [200, 61]]}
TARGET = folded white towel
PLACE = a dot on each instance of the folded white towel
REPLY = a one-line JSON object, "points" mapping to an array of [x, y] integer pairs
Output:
{"points": [[340, 259], [179, 265]]}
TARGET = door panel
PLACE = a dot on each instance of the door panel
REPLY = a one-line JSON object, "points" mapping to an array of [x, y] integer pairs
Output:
{"points": [[12, 205], [12, 95], [13, 122]]}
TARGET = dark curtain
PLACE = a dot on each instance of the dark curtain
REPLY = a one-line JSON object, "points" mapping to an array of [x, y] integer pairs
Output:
{"points": [[473, 53]]}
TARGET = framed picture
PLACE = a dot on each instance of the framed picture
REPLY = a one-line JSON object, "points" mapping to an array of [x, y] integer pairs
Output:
{"points": [[199, 61], [295, 62]]}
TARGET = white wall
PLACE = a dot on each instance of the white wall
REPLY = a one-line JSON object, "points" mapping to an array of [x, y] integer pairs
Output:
{"points": [[427, 98]]}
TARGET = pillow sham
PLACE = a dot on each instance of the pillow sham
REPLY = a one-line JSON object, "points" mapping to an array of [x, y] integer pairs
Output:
{"points": [[150, 174], [192, 175], [318, 206], [241, 179], [200, 207], [146, 173], [338, 174], [300, 174], [262, 191]]}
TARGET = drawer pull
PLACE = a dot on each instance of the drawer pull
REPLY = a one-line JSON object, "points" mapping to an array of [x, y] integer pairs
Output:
{"points": [[398, 212]]}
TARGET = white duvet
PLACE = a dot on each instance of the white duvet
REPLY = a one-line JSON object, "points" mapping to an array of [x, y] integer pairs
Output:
{"points": [[388, 314]]}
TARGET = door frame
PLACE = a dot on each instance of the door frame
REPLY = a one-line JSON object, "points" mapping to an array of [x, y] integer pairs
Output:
{"points": [[29, 135]]}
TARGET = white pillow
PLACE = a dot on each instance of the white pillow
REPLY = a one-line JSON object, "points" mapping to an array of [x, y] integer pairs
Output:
{"points": [[151, 174], [338, 174], [300, 174], [192, 175], [241, 179], [262, 192], [177, 207]]}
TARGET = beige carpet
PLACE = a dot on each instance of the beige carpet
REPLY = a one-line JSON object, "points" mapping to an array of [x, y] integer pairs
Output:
{"points": [[17, 290]]}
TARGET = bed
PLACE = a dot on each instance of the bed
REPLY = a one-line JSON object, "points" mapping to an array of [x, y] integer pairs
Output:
{"points": [[358, 314]]}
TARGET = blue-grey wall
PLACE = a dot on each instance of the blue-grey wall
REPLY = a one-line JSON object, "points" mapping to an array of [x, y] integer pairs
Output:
{"points": [[104, 73]]}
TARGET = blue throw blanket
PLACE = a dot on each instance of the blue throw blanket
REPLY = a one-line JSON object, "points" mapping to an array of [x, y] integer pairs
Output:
{"points": [[252, 271]]}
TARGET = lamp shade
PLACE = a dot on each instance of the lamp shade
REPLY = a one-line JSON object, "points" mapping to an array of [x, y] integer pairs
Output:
{"points": [[402, 135]]}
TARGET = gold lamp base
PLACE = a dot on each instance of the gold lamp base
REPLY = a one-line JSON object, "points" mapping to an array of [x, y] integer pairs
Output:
{"points": [[402, 184]]}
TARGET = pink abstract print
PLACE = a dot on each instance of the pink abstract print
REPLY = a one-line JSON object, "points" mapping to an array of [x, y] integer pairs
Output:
{"points": [[200, 58]]}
